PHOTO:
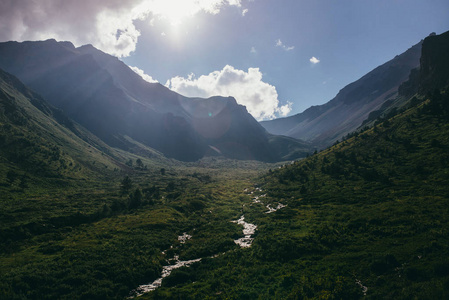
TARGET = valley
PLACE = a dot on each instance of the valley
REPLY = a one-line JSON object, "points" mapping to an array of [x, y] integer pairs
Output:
{"points": [[94, 207]]}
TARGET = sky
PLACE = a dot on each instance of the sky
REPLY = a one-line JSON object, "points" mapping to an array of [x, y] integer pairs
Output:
{"points": [[276, 57]]}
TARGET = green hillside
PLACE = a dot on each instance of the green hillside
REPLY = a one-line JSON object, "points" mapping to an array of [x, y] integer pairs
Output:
{"points": [[70, 225], [366, 218], [41, 141]]}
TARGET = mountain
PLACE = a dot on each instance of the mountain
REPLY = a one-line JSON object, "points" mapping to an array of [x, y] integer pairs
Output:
{"points": [[379, 199], [366, 218], [324, 124], [426, 80], [105, 96], [434, 71], [39, 140]]}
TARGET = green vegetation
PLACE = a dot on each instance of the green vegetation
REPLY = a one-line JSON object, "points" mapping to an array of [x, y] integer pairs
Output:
{"points": [[367, 217], [95, 241]]}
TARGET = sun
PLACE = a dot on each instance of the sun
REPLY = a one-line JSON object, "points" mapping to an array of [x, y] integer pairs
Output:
{"points": [[177, 11]]}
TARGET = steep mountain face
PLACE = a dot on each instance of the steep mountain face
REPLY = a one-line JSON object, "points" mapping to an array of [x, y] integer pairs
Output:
{"points": [[370, 190], [324, 124], [108, 98], [434, 71], [37, 139]]}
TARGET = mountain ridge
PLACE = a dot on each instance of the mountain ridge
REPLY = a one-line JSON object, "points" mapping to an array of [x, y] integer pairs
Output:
{"points": [[322, 125], [108, 98], [39, 140]]}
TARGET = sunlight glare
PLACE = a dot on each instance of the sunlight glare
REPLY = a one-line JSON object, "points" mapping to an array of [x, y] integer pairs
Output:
{"points": [[176, 11]]}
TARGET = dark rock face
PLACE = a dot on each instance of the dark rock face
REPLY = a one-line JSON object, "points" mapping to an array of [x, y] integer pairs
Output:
{"points": [[434, 71]]}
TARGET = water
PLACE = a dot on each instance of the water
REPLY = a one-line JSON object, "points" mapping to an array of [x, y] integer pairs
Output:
{"points": [[271, 209], [244, 242], [248, 230], [166, 271], [256, 199], [184, 237]]}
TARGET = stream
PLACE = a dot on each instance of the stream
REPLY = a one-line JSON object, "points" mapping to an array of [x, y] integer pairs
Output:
{"points": [[244, 242], [272, 210], [256, 199], [166, 271], [248, 230]]}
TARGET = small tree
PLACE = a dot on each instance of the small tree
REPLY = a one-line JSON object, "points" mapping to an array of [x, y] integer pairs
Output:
{"points": [[126, 185], [135, 199], [129, 163], [162, 171], [170, 186], [11, 176], [23, 182], [139, 164]]}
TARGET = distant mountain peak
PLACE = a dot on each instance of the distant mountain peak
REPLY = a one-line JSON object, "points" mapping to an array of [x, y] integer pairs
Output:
{"points": [[104, 95], [324, 124]]}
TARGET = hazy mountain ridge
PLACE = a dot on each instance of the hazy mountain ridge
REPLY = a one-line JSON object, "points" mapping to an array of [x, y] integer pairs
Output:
{"points": [[364, 219], [324, 124], [379, 197], [108, 98], [38, 139]]}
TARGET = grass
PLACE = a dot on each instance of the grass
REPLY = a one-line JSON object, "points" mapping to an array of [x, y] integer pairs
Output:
{"points": [[370, 212], [82, 241], [365, 218]]}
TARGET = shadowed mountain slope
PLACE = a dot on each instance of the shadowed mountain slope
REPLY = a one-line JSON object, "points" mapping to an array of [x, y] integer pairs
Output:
{"points": [[37, 139], [379, 200], [108, 98], [364, 219], [324, 124]]}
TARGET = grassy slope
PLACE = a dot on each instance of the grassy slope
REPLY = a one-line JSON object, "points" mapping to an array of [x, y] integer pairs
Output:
{"points": [[68, 231], [109, 253], [370, 211]]}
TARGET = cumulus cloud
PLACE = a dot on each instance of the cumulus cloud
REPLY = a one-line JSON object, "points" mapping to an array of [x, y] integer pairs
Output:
{"points": [[285, 109], [248, 88], [106, 24], [280, 44], [142, 74], [244, 12], [314, 60]]}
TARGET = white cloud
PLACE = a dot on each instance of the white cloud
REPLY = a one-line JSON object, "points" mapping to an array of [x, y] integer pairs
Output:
{"points": [[142, 74], [286, 48], [253, 50], [106, 24], [314, 60], [260, 98], [284, 110], [244, 12]]}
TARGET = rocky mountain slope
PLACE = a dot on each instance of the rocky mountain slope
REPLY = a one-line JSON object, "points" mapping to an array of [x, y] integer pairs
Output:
{"points": [[39, 140], [323, 124], [109, 99], [363, 219]]}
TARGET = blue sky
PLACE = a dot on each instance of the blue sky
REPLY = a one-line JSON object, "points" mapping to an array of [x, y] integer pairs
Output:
{"points": [[277, 57]]}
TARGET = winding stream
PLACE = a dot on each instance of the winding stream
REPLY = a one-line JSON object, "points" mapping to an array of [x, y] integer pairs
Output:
{"points": [[248, 230], [271, 209], [166, 271], [256, 199], [244, 242]]}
